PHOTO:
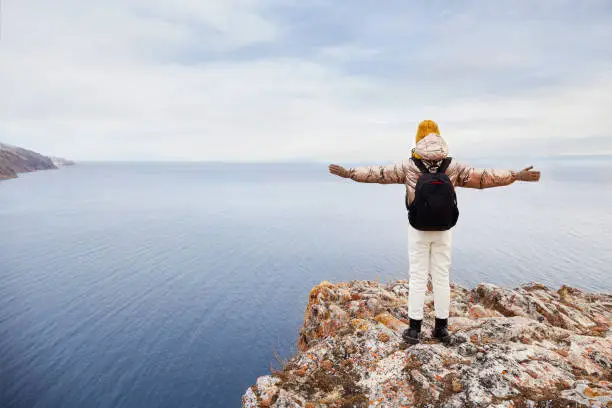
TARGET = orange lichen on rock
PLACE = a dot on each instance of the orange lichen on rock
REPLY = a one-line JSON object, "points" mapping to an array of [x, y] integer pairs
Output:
{"points": [[390, 321]]}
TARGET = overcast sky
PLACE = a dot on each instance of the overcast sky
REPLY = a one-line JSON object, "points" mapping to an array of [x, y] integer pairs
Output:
{"points": [[260, 80]]}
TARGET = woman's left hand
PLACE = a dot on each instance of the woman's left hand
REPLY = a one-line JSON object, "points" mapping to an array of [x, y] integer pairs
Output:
{"points": [[527, 174]]}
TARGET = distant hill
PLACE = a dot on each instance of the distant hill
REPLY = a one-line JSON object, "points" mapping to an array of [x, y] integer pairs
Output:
{"points": [[61, 162], [14, 160]]}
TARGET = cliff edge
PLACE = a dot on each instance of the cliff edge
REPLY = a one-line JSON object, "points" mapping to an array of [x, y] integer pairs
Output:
{"points": [[526, 347]]}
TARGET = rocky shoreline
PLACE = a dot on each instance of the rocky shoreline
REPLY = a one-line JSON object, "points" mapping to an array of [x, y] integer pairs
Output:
{"points": [[14, 160], [526, 347]]}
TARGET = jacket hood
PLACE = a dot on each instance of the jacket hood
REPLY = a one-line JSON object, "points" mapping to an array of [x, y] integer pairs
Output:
{"points": [[432, 147]]}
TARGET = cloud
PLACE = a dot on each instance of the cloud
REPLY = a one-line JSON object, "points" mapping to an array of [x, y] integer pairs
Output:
{"points": [[254, 80]]}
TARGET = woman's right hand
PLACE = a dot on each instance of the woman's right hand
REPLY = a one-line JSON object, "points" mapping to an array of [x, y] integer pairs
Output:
{"points": [[339, 171]]}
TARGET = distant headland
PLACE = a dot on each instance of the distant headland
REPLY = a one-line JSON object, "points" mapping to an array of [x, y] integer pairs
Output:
{"points": [[14, 160]]}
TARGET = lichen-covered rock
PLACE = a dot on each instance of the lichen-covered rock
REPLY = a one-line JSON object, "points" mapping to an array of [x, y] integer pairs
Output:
{"points": [[526, 347]]}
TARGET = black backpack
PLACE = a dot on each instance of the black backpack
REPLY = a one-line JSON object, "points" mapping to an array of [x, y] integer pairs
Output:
{"points": [[434, 207]]}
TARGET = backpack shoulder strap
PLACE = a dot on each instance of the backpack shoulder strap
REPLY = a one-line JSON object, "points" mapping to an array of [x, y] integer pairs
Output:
{"points": [[444, 166], [420, 165]]}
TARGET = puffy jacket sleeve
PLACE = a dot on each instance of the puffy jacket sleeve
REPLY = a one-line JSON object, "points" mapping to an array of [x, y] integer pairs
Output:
{"points": [[391, 174], [470, 177]]}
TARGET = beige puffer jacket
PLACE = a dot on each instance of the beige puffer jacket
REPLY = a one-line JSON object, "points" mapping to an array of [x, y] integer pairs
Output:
{"points": [[432, 149]]}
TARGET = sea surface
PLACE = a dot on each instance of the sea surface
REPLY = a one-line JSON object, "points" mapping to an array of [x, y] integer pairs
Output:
{"points": [[173, 284]]}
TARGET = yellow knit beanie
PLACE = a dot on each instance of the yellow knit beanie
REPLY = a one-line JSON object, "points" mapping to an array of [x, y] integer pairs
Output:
{"points": [[426, 127]]}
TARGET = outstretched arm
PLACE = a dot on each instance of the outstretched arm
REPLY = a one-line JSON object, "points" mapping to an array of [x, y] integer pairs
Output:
{"points": [[487, 178], [392, 174]]}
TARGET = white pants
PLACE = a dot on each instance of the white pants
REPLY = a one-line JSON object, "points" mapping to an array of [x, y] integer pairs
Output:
{"points": [[430, 251]]}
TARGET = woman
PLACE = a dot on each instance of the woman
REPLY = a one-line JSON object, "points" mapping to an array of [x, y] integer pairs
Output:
{"points": [[430, 250]]}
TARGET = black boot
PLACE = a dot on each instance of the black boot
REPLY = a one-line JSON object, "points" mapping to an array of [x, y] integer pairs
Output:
{"points": [[413, 333], [441, 331]]}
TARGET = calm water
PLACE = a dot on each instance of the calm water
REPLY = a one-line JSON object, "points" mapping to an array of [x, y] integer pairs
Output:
{"points": [[170, 285]]}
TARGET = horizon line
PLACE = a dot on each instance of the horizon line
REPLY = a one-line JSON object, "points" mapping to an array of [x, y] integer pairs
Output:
{"points": [[322, 161]]}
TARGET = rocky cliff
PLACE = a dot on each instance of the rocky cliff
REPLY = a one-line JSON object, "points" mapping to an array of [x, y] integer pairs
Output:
{"points": [[15, 160], [6, 172], [527, 347]]}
